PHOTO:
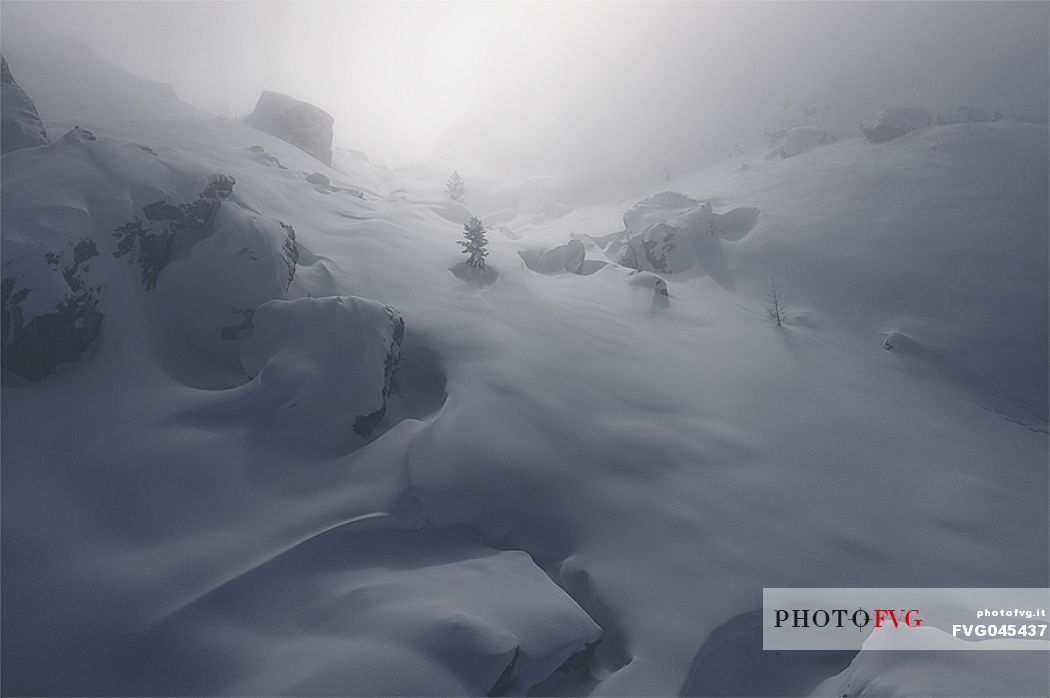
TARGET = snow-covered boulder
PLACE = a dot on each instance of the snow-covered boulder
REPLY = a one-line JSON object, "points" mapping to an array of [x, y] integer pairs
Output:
{"points": [[169, 229], [20, 125], [242, 261], [671, 232], [568, 257], [796, 141], [893, 122], [968, 114], [302, 124], [324, 367], [120, 230]]}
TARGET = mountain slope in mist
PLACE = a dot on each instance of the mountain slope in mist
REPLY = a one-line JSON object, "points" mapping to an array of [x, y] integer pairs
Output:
{"points": [[71, 86]]}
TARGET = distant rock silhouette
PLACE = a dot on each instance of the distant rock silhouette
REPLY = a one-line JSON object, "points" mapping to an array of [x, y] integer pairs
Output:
{"points": [[302, 124], [22, 127]]}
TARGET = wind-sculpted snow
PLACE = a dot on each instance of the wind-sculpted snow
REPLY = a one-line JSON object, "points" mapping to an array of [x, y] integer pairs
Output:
{"points": [[732, 662], [388, 612], [939, 673], [938, 234], [581, 480]]}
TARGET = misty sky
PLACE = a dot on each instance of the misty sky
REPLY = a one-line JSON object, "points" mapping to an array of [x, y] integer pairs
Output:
{"points": [[392, 74], [540, 86]]}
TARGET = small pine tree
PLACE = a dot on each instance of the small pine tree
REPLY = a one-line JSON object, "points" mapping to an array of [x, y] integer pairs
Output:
{"points": [[474, 243], [455, 187]]}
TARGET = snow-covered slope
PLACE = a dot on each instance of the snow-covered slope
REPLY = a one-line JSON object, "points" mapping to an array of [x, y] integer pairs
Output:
{"points": [[583, 475]]}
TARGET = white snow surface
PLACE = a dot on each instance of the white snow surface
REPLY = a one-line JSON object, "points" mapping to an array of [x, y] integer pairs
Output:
{"points": [[570, 457]]}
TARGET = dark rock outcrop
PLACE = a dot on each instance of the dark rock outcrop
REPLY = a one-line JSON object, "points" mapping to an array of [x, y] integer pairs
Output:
{"points": [[174, 230], [20, 124], [364, 425], [243, 329], [290, 251], [305, 126], [34, 348], [323, 185]]}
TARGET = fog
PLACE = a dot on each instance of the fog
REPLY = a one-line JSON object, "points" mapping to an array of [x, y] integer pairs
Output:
{"points": [[541, 87]]}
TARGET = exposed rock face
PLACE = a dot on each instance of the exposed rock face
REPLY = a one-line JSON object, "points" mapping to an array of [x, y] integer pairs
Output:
{"points": [[290, 252], [20, 124], [894, 122], [299, 123], [40, 334], [204, 261], [174, 231], [325, 366]]}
